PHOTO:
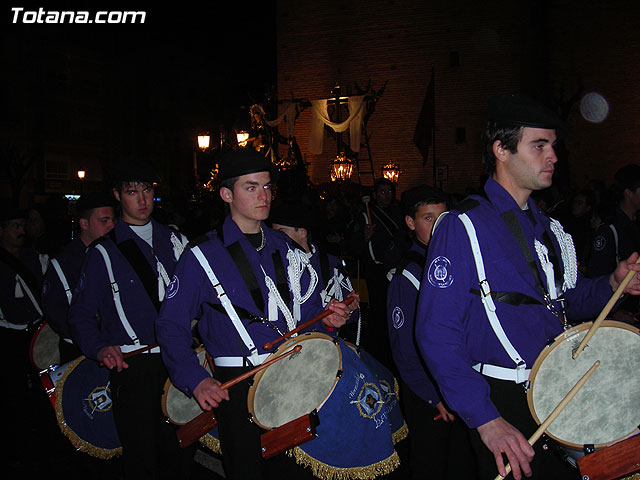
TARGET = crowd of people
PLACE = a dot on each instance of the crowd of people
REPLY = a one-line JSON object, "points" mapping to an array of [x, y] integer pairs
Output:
{"points": [[456, 295]]}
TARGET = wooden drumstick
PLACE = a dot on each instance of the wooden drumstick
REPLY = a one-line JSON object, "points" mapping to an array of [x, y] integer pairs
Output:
{"points": [[135, 352], [556, 411], [308, 323], [605, 311], [203, 423]]}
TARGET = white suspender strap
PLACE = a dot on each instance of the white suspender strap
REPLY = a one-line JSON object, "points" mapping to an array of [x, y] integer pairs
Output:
{"points": [[26, 289], [116, 297], [411, 277], [615, 239], [63, 279], [487, 300], [255, 358]]}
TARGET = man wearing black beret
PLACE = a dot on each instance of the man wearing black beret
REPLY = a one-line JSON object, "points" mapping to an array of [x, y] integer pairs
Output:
{"points": [[242, 266], [489, 299], [96, 217]]}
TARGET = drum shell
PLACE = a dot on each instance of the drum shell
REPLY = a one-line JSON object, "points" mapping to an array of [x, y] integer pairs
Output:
{"points": [[593, 417]]}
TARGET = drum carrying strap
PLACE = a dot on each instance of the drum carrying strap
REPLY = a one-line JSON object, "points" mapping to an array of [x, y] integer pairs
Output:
{"points": [[115, 289], [255, 358], [521, 373], [63, 279]]}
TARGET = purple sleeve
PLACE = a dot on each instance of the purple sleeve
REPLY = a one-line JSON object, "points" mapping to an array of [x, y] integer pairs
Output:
{"points": [[442, 323], [401, 302]]}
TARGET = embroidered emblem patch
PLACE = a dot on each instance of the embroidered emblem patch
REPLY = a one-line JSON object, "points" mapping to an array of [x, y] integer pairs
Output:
{"points": [[173, 287], [599, 243], [439, 273], [398, 317], [369, 400], [99, 400]]}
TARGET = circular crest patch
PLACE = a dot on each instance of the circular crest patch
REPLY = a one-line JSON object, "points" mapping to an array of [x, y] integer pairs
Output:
{"points": [[599, 243], [439, 273], [173, 288], [398, 317]]}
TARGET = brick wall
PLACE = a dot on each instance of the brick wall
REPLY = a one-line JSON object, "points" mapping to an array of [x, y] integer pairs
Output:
{"points": [[534, 47]]}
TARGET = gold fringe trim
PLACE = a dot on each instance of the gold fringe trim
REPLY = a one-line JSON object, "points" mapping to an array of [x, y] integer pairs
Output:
{"points": [[79, 444], [327, 472], [400, 434], [633, 477], [212, 443], [403, 431]]}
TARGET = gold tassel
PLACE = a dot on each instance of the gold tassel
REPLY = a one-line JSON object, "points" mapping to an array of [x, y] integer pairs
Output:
{"points": [[328, 472], [212, 443]]}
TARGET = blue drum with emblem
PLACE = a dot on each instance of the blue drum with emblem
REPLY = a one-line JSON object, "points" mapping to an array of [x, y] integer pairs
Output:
{"points": [[84, 408], [354, 434]]}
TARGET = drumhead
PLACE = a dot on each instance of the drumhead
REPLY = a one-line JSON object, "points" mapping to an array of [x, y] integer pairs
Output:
{"points": [[178, 407], [297, 384], [44, 351], [606, 410]]}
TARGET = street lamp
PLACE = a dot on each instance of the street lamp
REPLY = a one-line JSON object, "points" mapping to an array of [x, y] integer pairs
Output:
{"points": [[81, 174]]}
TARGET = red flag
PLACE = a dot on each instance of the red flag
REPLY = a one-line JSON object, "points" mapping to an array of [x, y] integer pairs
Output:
{"points": [[423, 136]]}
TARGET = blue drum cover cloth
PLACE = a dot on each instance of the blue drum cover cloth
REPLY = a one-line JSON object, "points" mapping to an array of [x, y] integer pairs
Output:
{"points": [[359, 423], [83, 409], [355, 435]]}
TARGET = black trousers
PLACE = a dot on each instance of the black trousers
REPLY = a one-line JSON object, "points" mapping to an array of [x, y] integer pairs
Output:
{"points": [[437, 449], [511, 401], [240, 438], [150, 448]]}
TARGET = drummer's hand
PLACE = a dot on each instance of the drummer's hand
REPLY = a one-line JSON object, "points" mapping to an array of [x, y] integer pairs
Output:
{"points": [[111, 356], [209, 394], [356, 301], [339, 316], [444, 413], [501, 437], [618, 275]]}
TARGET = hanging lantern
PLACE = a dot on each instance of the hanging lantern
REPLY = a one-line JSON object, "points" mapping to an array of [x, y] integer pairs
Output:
{"points": [[242, 138], [391, 171], [341, 168], [203, 141]]}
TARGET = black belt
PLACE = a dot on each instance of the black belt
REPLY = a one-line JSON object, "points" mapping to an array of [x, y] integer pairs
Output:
{"points": [[510, 298]]}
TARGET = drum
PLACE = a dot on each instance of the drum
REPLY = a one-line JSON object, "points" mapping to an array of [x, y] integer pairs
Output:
{"points": [[43, 351], [177, 407], [606, 410], [83, 408], [354, 435]]}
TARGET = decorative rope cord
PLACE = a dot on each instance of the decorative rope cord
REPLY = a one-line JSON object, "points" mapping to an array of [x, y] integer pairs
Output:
{"points": [[274, 296], [298, 261], [568, 253], [547, 267], [178, 246]]}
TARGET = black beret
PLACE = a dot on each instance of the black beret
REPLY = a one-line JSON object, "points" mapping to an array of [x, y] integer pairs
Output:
{"points": [[291, 215], [628, 176], [244, 161], [89, 201], [518, 110], [10, 212], [421, 193], [133, 171]]}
